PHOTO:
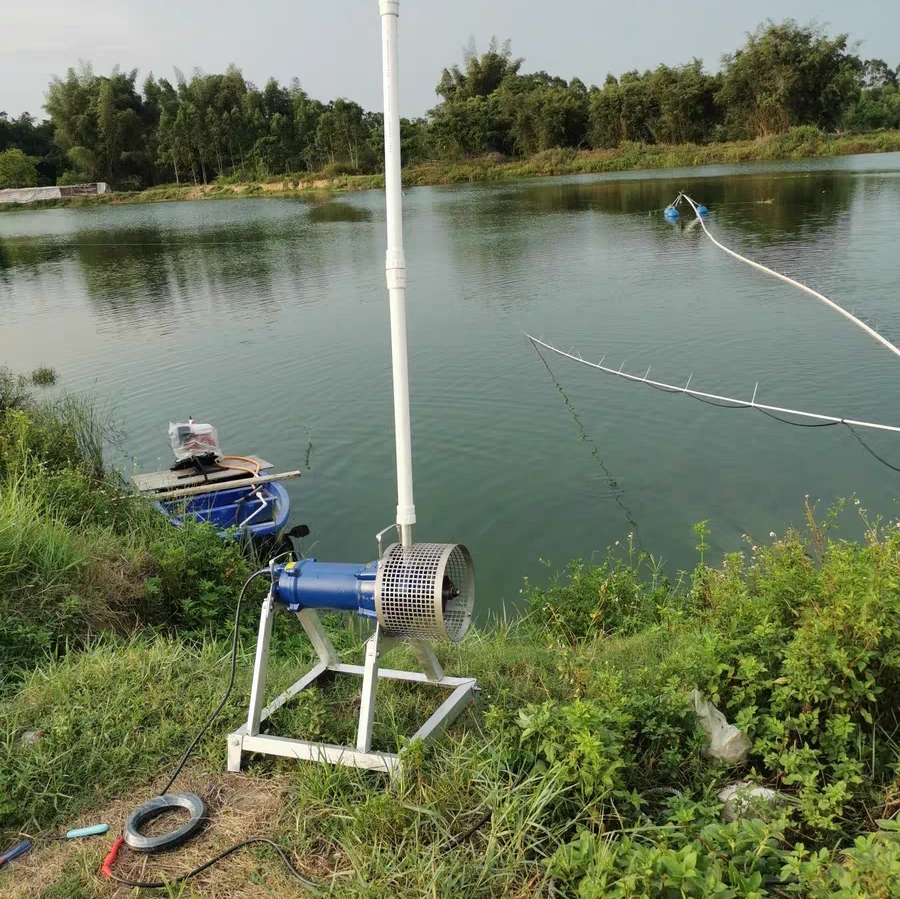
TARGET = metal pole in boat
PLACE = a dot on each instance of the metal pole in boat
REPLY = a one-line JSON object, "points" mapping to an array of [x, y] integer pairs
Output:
{"points": [[395, 269]]}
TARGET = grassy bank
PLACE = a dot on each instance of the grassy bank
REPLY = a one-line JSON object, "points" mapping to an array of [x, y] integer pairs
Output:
{"points": [[81, 556], [584, 744], [797, 143]]}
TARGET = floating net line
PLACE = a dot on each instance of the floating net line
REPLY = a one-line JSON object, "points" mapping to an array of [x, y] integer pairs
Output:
{"points": [[810, 419]]}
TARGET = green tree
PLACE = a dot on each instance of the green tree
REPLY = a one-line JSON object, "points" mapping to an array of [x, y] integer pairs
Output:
{"points": [[482, 75], [342, 134], [543, 112], [17, 169], [877, 73], [625, 109], [878, 107], [788, 75], [35, 139], [102, 127], [685, 99], [468, 127]]}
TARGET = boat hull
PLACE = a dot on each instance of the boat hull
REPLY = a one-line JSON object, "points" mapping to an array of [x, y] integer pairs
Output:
{"points": [[259, 513]]}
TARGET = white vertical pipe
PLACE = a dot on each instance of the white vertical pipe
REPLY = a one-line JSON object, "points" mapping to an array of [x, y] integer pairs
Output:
{"points": [[395, 269]]}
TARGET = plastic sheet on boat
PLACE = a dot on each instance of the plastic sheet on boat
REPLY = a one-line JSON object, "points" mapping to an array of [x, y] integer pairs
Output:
{"points": [[191, 439]]}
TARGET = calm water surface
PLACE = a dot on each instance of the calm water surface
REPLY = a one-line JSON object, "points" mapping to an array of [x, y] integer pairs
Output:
{"points": [[269, 319]]}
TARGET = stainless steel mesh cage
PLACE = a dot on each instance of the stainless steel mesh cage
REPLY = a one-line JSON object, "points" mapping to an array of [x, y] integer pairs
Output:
{"points": [[425, 591]]}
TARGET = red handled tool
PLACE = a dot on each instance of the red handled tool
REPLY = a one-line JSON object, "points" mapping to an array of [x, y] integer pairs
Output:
{"points": [[110, 859]]}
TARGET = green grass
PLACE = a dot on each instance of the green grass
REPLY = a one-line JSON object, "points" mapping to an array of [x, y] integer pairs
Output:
{"points": [[801, 142], [81, 555], [114, 641]]}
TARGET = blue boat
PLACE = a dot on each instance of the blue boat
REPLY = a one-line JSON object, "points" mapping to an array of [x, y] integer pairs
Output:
{"points": [[259, 511]]}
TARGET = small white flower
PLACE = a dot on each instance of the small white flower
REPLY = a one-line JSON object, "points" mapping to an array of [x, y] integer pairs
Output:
{"points": [[771, 533]]}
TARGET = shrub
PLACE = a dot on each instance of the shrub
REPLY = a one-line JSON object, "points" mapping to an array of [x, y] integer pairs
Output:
{"points": [[612, 597], [43, 376], [799, 644], [337, 169], [81, 553]]}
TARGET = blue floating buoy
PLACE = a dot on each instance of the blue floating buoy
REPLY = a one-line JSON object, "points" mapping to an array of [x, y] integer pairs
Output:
{"points": [[702, 210], [671, 213]]}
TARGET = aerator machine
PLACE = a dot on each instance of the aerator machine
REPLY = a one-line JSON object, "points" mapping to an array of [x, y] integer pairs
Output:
{"points": [[420, 593], [417, 592]]}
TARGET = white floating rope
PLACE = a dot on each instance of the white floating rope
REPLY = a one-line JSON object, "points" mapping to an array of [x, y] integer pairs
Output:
{"points": [[813, 293], [715, 398]]}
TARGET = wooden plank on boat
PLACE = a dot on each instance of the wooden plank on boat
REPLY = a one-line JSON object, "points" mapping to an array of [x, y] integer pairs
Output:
{"points": [[212, 488], [168, 480]]}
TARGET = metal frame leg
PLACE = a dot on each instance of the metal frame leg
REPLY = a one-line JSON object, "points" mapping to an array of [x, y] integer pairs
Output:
{"points": [[247, 738], [257, 685], [320, 640], [428, 661], [369, 686], [261, 664]]}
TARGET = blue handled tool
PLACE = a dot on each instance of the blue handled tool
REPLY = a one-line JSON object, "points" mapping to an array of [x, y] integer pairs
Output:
{"points": [[15, 852], [92, 831]]}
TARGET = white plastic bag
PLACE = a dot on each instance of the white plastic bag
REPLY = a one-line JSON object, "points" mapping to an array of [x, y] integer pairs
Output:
{"points": [[726, 742], [742, 797], [191, 439]]}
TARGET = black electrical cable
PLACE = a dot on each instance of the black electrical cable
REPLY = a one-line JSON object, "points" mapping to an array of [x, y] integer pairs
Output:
{"points": [[611, 482], [152, 885], [869, 450], [159, 884], [228, 689], [461, 838], [786, 421], [663, 389], [700, 399], [799, 424]]}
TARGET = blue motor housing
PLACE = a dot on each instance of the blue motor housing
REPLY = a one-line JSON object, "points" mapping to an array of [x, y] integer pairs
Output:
{"points": [[333, 586]]}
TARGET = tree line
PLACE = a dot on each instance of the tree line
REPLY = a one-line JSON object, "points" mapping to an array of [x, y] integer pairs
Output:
{"points": [[215, 126]]}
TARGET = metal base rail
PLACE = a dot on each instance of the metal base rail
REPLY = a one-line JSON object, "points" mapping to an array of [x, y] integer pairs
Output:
{"points": [[247, 738]]}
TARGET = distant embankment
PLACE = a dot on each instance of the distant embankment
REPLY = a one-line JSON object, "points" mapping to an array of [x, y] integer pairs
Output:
{"points": [[800, 142], [25, 195]]}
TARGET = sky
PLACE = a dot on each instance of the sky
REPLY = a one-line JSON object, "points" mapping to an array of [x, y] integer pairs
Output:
{"points": [[334, 46]]}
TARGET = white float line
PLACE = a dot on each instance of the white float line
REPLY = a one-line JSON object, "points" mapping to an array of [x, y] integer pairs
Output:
{"points": [[736, 403], [813, 293]]}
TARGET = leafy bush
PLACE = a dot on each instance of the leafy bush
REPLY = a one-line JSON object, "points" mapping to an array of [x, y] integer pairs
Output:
{"points": [[336, 169], [799, 644], [14, 390], [43, 376], [80, 552], [803, 140], [612, 597], [746, 858]]}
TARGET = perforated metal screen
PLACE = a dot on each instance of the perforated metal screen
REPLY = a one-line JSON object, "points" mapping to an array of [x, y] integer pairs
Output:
{"points": [[425, 591]]}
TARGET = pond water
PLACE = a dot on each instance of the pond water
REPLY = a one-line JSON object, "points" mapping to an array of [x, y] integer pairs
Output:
{"points": [[269, 319]]}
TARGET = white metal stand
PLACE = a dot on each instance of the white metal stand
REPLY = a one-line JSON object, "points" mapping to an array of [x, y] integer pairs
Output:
{"points": [[463, 690]]}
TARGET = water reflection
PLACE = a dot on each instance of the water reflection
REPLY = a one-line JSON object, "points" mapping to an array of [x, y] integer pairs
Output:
{"points": [[338, 212], [774, 207], [151, 271], [27, 256]]}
